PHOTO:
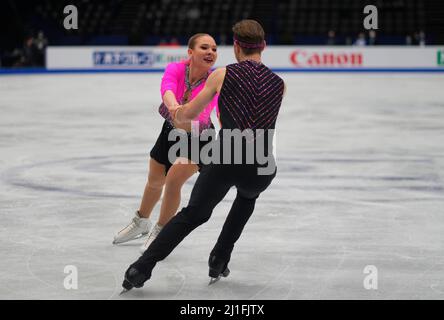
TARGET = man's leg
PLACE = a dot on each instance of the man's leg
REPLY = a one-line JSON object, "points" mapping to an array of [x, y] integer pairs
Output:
{"points": [[210, 188], [249, 188], [237, 218]]}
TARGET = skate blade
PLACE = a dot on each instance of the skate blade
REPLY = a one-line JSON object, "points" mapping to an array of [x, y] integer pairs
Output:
{"points": [[213, 280], [135, 238], [123, 291]]}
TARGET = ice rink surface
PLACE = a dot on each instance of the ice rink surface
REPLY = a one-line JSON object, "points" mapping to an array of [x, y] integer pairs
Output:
{"points": [[360, 182]]}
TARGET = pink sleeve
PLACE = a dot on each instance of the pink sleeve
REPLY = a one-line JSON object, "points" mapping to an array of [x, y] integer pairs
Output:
{"points": [[170, 79]]}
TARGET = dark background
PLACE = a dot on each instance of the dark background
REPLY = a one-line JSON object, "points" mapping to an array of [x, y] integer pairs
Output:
{"points": [[27, 27]]}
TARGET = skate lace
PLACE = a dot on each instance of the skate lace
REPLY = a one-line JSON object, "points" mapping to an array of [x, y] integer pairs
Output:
{"points": [[153, 234], [129, 227]]}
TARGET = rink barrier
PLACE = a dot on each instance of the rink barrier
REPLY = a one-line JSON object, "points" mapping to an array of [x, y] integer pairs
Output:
{"points": [[278, 58], [30, 71]]}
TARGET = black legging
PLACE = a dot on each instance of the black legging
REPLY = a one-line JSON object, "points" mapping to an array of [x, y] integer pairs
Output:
{"points": [[210, 188]]}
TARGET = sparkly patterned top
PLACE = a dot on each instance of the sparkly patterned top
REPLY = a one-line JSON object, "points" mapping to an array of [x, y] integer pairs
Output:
{"points": [[250, 97], [175, 79]]}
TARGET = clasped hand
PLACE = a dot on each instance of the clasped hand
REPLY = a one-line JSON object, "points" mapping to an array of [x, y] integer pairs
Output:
{"points": [[173, 111]]}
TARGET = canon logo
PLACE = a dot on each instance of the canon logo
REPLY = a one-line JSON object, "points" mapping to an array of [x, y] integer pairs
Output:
{"points": [[326, 59]]}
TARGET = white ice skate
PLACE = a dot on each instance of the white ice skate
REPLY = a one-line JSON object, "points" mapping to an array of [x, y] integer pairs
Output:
{"points": [[153, 234], [138, 228]]}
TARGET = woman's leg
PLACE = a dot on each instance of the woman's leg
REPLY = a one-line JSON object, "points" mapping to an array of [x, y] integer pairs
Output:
{"points": [[178, 174], [153, 188], [140, 225]]}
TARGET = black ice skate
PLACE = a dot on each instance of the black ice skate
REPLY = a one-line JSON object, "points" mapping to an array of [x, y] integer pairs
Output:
{"points": [[218, 269], [133, 279]]}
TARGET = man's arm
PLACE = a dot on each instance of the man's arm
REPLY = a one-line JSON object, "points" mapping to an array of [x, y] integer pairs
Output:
{"points": [[192, 109]]}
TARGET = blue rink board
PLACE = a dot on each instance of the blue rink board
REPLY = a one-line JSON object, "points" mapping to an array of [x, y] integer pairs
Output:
{"points": [[13, 71]]}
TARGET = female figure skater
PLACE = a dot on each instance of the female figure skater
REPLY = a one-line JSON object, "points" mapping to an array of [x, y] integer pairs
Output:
{"points": [[250, 99], [180, 83]]}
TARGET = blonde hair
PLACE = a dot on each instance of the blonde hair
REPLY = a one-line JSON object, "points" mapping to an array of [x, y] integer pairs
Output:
{"points": [[193, 39]]}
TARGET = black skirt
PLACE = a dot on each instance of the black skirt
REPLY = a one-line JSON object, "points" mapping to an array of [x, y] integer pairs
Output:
{"points": [[162, 146]]}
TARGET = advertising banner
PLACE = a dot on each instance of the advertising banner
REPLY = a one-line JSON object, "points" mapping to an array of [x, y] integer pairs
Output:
{"points": [[284, 58]]}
